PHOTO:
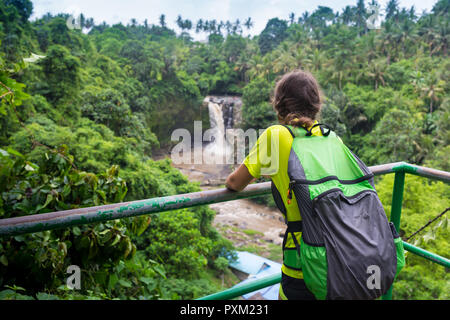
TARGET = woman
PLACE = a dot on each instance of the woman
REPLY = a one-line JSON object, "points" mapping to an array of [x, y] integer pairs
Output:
{"points": [[297, 102]]}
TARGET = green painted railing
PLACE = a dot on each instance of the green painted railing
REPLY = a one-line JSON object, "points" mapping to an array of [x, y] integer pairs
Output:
{"points": [[68, 218]]}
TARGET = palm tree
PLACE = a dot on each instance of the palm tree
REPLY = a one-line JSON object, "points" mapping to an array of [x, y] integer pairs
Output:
{"points": [[412, 14], [317, 59], [388, 41], [213, 26], [299, 36], [243, 64], [187, 24], [228, 26], [361, 17], [341, 65], [368, 47], [407, 33], [237, 27], [338, 75], [255, 66], [347, 15], [417, 80], [392, 9], [206, 26], [179, 22], [162, 20], [199, 26], [220, 26], [439, 40], [248, 23], [374, 70], [267, 67], [291, 17], [431, 87], [285, 61], [377, 71], [304, 19]]}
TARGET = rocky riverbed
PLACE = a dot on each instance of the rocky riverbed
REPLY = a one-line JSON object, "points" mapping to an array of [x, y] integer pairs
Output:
{"points": [[249, 225]]}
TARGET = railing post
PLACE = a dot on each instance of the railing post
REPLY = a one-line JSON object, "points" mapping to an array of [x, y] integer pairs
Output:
{"points": [[397, 199], [396, 210]]}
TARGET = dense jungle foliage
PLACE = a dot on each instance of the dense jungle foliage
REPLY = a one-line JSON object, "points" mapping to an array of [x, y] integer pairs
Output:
{"points": [[82, 111]]}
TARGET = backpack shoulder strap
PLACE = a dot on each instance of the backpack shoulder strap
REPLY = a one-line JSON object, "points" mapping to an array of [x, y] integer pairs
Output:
{"points": [[321, 126], [289, 129], [309, 132]]}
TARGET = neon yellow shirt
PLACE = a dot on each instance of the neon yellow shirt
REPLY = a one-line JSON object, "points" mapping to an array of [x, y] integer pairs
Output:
{"points": [[269, 157]]}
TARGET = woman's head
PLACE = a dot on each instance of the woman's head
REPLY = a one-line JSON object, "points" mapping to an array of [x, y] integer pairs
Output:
{"points": [[297, 99]]}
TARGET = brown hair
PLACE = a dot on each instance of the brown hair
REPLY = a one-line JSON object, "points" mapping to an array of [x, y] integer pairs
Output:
{"points": [[297, 99]]}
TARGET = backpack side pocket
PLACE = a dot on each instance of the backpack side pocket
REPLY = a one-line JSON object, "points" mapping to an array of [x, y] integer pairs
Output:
{"points": [[398, 248]]}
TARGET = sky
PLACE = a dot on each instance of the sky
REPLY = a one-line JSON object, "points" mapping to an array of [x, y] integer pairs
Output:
{"points": [[115, 11]]}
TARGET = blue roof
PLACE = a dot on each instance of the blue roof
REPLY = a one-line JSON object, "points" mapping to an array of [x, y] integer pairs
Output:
{"points": [[257, 267], [252, 264]]}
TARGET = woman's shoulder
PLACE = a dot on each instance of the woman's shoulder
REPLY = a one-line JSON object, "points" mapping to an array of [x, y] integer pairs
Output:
{"points": [[275, 133], [279, 129]]}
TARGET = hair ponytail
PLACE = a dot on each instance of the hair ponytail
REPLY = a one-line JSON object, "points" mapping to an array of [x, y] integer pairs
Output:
{"points": [[297, 121]]}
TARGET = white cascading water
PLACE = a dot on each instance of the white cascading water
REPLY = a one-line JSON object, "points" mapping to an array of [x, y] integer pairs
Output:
{"points": [[218, 149]]}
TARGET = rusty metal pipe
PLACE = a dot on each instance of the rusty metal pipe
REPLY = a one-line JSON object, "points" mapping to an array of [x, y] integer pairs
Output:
{"points": [[67, 218], [425, 172]]}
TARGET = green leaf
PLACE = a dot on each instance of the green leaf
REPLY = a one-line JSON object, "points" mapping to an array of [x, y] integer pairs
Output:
{"points": [[76, 231], [160, 270], [104, 236], [146, 280], [19, 238], [15, 288], [3, 152], [121, 266], [125, 283], [102, 194], [112, 281], [116, 240], [66, 190], [14, 152], [4, 260], [45, 296], [48, 200], [7, 294]]}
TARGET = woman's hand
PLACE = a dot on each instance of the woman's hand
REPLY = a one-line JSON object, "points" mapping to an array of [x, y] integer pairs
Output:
{"points": [[239, 179]]}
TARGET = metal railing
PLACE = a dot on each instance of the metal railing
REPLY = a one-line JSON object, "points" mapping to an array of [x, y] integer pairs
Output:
{"points": [[68, 218]]}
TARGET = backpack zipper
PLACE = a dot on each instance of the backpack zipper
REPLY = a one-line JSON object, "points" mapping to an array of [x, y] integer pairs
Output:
{"points": [[289, 194]]}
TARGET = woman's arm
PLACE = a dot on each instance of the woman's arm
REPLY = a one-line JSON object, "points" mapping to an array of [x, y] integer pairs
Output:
{"points": [[239, 179]]}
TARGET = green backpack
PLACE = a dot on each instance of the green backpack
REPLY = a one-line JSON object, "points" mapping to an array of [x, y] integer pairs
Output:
{"points": [[347, 249]]}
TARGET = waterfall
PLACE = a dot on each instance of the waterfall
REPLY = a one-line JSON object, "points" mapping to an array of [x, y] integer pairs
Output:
{"points": [[211, 157], [216, 150], [216, 121], [221, 116]]}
